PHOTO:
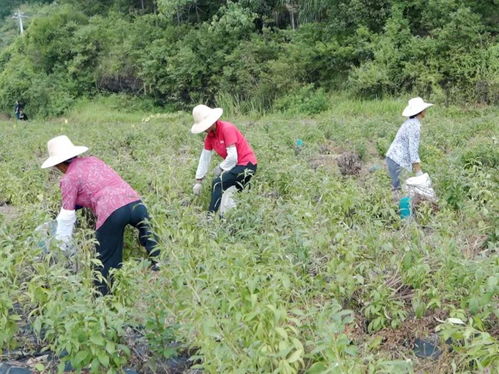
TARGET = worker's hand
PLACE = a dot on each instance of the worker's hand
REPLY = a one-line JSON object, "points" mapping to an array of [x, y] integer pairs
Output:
{"points": [[419, 173], [217, 171], [196, 189]]}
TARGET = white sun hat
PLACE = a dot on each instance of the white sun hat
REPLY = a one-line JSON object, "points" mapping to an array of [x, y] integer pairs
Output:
{"points": [[204, 117], [415, 106], [61, 149]]}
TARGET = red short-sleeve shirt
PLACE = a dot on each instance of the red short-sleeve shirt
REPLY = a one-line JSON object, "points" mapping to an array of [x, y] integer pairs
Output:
{"points": [[92, 184], [225, 135]]}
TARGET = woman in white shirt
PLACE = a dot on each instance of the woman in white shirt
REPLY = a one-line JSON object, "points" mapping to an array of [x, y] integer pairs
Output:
{"points": [[404, 150]]}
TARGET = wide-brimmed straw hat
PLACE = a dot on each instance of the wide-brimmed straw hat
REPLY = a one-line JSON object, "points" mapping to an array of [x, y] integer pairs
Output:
{"points": [[61, 149], [204, 117], [415, 106]]}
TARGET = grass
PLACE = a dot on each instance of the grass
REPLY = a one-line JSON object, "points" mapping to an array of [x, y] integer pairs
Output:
{"points": [[312, 272]]}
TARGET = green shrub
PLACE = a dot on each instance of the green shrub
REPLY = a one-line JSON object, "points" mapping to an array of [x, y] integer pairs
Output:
{"points": [[481, 156], [306, 100], [382, 145], [84, 332], [194, 52], [479, 349], [8, 321]]}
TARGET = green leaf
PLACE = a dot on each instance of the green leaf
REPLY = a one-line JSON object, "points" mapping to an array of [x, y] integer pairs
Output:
{"points": [[37, 325], [80, 357], [97, 340], [282, 332], [103, 358], [110, 347], [317, 368], [40, 367], [295, 356]]}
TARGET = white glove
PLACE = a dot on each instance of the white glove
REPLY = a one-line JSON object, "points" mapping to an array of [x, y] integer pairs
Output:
{"points": [[197, 188], [217, 171], [419, 173], [65, 224]]}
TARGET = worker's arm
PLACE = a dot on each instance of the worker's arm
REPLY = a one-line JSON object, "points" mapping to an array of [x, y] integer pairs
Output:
{"points": [[204, 163], [65, 225], [231, 159]]}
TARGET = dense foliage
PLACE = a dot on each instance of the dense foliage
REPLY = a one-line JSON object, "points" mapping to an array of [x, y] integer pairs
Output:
{"points": [[252, 52], [313, 272]]}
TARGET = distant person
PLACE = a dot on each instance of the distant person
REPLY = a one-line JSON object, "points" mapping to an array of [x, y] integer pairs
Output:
{"points": [[22, 116], [88, 182], [404, 150], [18, 108], [239, 164]]}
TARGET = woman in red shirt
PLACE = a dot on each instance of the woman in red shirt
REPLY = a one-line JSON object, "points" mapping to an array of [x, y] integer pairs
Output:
{"points": [[239, 163], [88, 182]]}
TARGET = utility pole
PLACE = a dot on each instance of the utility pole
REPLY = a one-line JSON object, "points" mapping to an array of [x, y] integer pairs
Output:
{"points": [[19, 16]]}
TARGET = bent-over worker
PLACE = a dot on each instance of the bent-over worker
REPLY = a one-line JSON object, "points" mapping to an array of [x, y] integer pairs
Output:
{"points": [[239, 161], [88, 182]]}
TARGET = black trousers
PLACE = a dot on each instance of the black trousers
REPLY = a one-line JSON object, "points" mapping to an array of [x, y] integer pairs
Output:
{"points": [[110, 237], [238, 176]]}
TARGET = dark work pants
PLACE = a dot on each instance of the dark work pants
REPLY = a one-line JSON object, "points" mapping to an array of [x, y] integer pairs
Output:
{"points": [[394, 170], [238, 176], [110, 237]]}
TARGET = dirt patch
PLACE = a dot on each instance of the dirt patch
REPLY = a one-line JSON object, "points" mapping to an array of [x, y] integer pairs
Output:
{"points": [[398, 343], [420, 202], [392, 339], [372, 150], [474, 245], [330, 148], [494, 329], [349, 163], [9, 212], [356, 331], [327, 162], [331, 157], [410, 329], [142, 357]]}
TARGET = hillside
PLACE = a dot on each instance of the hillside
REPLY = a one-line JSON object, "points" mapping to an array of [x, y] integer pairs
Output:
{"points": [[261, 54]]}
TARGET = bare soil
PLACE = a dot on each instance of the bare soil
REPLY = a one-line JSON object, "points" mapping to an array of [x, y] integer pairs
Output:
{"points": [[8, 211]]}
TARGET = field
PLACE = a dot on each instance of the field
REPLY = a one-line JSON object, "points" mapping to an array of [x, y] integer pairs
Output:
{"points": [[313, 272]]}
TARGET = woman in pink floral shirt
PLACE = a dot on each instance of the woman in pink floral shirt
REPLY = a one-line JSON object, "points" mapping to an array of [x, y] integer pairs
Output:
{"points": [[88, 182]]}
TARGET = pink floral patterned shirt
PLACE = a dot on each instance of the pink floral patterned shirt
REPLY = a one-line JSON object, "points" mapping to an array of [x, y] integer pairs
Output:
{"points": [[90, 183]]}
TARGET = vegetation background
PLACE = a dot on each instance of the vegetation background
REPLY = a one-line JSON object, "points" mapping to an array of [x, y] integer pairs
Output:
{"points": [[260, 54], [314, 272]]}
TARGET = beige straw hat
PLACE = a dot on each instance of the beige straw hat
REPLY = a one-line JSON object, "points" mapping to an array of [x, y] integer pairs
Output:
{"points": [[61, 149], [204, 117], [414, 106]]}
